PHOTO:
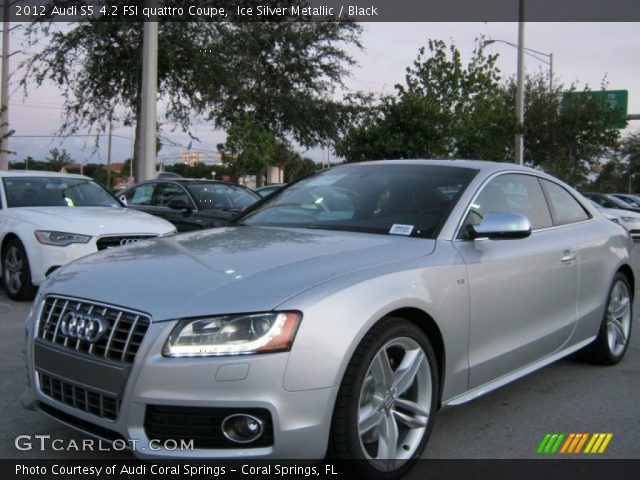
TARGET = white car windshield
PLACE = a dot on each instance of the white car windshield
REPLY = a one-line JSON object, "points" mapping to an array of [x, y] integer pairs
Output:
{"points": [[404, 199], [56, 192]]}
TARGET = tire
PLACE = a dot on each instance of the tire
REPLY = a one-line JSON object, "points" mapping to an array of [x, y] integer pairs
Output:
{"points": [[16, 273], [613, 337], [376, 402]]}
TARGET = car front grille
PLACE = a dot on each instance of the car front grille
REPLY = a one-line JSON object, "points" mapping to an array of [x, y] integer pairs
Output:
{"points": [[116, 241], [84, 399], [202, 425], [124, 330]]}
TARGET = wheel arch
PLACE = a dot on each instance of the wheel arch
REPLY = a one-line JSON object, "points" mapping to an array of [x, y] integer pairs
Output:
{"points": [[430, 328], [5, 241], [628, 272]]}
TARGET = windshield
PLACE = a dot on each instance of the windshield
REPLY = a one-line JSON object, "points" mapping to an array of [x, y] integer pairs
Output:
{"points": [[221, 196], [56, 192], [387, 199], [620, 202]]}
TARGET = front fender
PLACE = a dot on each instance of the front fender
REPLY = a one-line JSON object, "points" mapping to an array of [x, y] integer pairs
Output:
{"points": [[339, 313]]}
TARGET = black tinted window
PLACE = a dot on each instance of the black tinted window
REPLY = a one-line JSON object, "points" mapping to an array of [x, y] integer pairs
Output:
{"points": [[165, 192], [222, 196], [390, 199], [140, 195], [565, 208]]}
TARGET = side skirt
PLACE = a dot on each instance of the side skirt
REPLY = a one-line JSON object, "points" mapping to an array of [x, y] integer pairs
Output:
{"points": [[510, 377]]}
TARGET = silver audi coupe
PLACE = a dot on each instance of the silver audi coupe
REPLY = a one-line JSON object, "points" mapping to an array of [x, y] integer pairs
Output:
{"points": [[334, 317]]}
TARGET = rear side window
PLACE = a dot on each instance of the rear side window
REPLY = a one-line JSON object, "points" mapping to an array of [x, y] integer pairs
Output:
{"points": [[564, 207], [140, 195]]}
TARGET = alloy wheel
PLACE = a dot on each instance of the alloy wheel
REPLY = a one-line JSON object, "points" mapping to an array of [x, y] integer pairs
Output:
{"points": [[13, 268], [618, 318], [394, 403]]}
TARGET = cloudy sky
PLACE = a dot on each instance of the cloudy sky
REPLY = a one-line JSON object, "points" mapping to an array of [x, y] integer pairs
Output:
{"points": [[584, 53]]}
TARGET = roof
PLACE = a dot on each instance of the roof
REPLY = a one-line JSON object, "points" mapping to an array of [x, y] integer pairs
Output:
{"points": [[39, 173], [483, 165]]}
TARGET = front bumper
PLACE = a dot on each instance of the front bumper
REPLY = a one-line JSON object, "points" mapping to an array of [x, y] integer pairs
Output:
{"points": [[43, 259], [300, 420]]}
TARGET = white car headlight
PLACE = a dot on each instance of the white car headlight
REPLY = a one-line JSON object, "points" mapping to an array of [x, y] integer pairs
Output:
{"points": [[233, 335], [630, 219], [60, 239]]}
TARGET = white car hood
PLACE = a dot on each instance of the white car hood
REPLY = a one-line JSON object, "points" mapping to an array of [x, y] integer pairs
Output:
{"points": [[616, 212], [92, 221]]}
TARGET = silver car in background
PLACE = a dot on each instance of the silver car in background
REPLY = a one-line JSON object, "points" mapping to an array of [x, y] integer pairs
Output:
{"points": [[337, 316]]}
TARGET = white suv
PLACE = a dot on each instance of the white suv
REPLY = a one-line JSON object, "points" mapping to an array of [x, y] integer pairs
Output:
{"points": [[48, 219]]}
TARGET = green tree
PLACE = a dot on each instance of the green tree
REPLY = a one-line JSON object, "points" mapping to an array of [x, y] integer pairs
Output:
{"points": [[5, 136], [612, 177], [565, 133], [97, 66], [249, 147], [283, 76], [630, 152], [58, 159], [282, 73], [444, 110]]}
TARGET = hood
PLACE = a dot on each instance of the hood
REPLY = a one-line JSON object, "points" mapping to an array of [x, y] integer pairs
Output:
{"points": [[616, 212], [93, 221], [226, 270]]}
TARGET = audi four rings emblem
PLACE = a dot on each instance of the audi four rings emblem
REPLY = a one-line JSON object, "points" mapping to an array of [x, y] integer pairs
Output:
{"points": [[83, 327]]}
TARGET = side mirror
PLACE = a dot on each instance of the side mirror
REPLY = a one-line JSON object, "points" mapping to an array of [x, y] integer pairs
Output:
{"points": [[123, 199], [501, 225], [178, 204]]}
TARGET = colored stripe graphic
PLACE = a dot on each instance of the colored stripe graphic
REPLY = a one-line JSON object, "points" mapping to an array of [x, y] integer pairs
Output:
{"points": [[556, 443], [550, 443], [598, 443]]}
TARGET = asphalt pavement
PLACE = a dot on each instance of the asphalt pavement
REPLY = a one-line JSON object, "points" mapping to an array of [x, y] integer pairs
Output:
{"points": [[566, 397]]}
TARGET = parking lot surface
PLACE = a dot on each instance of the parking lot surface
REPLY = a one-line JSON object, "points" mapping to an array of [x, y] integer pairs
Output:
{"points": [[565, 397]]}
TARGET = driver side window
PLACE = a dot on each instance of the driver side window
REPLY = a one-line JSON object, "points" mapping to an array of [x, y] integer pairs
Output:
{"points": [[514, 193]]}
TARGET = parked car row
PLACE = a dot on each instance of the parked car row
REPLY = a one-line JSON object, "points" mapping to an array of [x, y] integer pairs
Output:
{"points": [[621, 208], [48, 219]]}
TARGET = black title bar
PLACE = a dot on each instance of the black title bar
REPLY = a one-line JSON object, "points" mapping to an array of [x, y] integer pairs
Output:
{"points": [[324, 10]]}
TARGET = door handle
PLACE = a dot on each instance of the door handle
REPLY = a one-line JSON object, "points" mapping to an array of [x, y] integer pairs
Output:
{"points": [[568, 257]]}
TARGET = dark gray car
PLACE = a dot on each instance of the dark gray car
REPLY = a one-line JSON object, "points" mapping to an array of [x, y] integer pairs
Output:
{"points": [[190, 204]]}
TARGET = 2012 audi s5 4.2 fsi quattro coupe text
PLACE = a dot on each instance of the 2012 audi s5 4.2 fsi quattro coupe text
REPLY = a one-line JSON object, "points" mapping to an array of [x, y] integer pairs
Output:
{"points": [[337, 316]]}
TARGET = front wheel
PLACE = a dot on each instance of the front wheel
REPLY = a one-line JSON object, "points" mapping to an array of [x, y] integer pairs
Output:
{"points": [[16, 273], [613, 337], [385, 405]]}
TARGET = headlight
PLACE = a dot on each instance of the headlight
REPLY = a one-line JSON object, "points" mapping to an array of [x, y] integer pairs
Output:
{"points": [[60, 239], [630, 219], [233, 335]]}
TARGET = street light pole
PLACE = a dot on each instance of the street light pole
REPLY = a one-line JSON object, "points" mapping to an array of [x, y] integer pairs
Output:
{"points": [[4, 95], [531, 52], [148, 120], [519, 142], [551, 73]]}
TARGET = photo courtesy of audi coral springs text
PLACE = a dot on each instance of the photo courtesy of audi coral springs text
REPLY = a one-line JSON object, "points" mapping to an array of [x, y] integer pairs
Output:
{"points": [[336, 316]]}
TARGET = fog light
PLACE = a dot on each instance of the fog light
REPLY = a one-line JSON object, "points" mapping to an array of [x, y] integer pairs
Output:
{"points": [[242, 428]]}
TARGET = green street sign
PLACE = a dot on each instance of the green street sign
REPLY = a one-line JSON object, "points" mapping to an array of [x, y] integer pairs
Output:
{"points": [[615, 100]]}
